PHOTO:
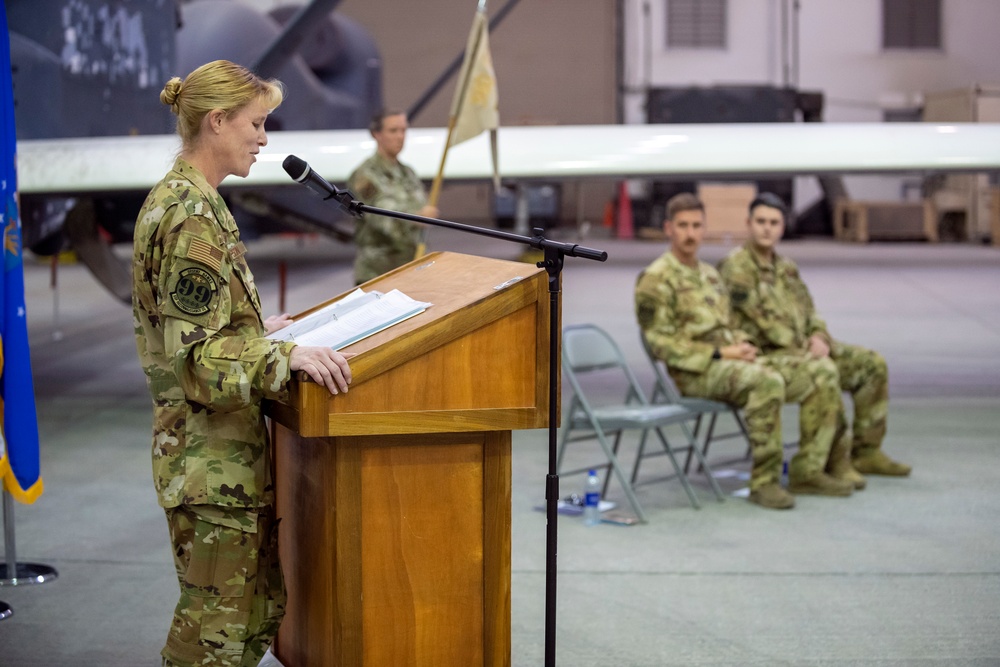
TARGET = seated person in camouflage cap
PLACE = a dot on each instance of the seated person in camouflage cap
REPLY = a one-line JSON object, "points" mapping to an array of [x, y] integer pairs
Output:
{"points": [[684, 315], [384, 243], [773, 305], [201, 342]]}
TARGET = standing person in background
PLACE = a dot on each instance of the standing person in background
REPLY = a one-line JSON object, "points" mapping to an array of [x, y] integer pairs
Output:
{"points": [[684, 315], [773, 305], [201, 341], [384, 243]]}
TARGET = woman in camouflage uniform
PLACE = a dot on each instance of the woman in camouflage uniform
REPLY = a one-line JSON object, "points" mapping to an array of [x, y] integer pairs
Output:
{"points": [[383, 181], [201, 341]]}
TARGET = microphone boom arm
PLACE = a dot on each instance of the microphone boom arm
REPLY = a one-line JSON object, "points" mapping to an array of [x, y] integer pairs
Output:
{"points": [[346, 201]]}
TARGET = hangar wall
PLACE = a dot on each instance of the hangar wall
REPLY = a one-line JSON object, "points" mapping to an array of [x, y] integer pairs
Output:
{"points": [[555, 62]]}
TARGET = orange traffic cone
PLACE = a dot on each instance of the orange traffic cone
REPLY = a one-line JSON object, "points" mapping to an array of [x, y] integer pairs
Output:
{"points": [[608, 221]]}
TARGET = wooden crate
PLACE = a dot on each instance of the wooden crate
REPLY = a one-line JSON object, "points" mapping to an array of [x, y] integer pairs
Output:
{"points": [[966, 198], [864, 221]]}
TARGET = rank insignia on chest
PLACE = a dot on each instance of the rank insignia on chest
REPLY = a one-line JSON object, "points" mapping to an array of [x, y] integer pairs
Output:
{"points": [[195, 291], [237, 251]]}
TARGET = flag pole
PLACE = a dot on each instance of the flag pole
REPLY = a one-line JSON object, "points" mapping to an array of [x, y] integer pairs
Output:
{"points": [[432, 198], [453, 120], [435, 192], [13, 573]]}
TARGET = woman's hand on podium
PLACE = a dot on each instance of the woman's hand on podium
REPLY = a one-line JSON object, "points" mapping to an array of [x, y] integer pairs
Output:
{"points": [[324, 365]]}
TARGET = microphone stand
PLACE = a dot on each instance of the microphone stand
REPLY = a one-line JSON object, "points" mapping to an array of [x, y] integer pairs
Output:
{"points": [[554, 253]]}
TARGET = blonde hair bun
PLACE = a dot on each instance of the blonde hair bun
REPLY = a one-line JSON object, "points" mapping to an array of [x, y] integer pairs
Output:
{"points": [[170, 92]]}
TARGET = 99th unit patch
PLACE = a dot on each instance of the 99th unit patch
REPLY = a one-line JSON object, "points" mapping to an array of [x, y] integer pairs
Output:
{"points": [[195, 291]]}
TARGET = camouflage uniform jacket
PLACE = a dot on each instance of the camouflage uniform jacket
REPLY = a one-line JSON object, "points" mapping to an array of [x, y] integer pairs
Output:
{"points": [[385, 243], [770, 301], [684, 313], [200, 338]]}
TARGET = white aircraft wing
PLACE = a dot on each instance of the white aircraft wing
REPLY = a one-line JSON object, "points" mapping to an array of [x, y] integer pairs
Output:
{"points": [[691, 152]]}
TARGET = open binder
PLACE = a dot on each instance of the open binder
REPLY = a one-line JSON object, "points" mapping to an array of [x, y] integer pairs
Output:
{"points": [[354, 317]]}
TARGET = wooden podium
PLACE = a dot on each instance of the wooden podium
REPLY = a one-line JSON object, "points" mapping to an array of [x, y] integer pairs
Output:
{"points": [[395, 497]]}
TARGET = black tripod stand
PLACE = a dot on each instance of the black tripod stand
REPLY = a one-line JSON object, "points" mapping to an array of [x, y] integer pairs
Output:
{"points": [[554, 254]]}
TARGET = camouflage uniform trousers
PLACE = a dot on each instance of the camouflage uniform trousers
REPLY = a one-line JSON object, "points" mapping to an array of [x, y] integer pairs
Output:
{"points": [[232, 591], [865, 376], [760, 388]]}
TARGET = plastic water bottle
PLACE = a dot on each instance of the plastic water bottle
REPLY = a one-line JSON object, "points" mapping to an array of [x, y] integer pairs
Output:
{"points": [[592, 499]]}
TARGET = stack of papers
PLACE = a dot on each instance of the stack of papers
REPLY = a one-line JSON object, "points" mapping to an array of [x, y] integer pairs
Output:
{"points": [[358, 315]]}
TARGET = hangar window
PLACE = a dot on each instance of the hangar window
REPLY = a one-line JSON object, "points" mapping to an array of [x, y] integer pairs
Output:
{"points": [[696, 24], [911, 24]]}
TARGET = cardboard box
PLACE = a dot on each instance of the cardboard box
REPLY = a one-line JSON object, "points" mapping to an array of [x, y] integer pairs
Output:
{"points": [[726, 212]]}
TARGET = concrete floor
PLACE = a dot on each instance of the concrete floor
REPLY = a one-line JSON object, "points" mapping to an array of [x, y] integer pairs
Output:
{"points": [[906, 572]]}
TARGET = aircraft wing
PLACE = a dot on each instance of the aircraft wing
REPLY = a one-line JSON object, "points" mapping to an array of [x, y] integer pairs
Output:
{"points": [[679, 151]]}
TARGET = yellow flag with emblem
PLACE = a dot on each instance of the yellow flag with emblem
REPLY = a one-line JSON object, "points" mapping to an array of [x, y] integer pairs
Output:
{"points": [[475, 107]]}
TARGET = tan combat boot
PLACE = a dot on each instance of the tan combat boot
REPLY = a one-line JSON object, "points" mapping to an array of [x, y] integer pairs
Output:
{"points": [[820, 484], [875, 462], [772, 496], [842, 469]]}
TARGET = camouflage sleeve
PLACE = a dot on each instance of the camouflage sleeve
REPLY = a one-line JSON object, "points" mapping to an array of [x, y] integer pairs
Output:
{"points": [[660, 324], [748, 313], [219, 360], [814, 323]]}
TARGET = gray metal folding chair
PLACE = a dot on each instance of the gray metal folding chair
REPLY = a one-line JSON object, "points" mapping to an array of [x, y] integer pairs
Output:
{"points": [[665, 391], [592, 359]]}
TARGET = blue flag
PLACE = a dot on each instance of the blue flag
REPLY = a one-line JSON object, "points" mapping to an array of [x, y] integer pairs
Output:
{"points": [[19, 460]]}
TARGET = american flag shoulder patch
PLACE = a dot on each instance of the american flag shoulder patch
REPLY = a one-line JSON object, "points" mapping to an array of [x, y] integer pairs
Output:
{"points": [[206, 253]]}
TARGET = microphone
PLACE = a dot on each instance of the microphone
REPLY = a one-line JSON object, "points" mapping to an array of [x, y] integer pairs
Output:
{"points": [[302, 173]]}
